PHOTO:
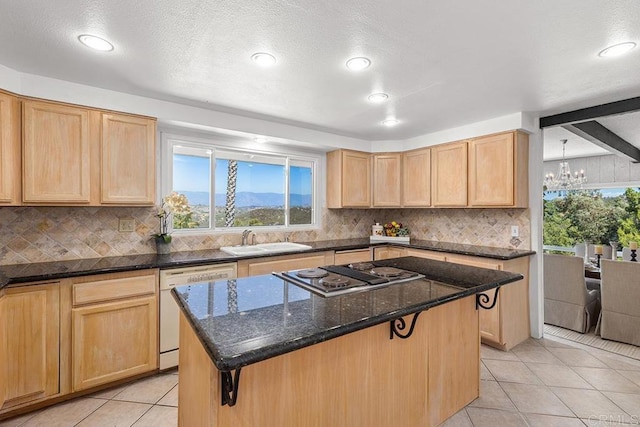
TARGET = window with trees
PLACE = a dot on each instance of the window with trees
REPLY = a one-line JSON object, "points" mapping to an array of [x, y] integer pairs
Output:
{"points": [[597, 216], [227, 188]]}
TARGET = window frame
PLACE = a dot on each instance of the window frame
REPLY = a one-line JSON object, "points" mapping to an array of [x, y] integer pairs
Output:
{"points": [[243, 146]]}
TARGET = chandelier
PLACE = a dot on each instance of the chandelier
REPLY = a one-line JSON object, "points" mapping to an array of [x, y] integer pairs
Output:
{"points": [[564, 180]]}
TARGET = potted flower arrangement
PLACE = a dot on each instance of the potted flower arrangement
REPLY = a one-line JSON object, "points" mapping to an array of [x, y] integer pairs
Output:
{"points": [[172, 204]]}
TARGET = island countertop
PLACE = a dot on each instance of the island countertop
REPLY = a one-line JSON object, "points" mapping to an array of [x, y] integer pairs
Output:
{"points": [[244, 321]]}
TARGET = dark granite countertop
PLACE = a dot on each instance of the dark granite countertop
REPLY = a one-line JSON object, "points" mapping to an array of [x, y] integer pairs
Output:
{"points": [[244, 321], [24, 273]]}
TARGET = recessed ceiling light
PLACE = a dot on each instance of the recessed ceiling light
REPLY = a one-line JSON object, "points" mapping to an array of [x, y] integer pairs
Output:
{"points": [[617, 49], [390, 122], [378, 97], [95, 42], [358, 64], [260, 139], [263, 59]]}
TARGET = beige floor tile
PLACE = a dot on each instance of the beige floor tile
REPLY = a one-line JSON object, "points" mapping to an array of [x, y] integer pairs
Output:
{"points": [[590, 404], [633, 376], [538, 420], [171, 398], [148, 390], [517, 372], [66, 414], [630, 403], [159, 416], [550, 342], [536, 399], [576, 357], [605, 379], [17, 421], [492, 396], [484, 373], [460, 419], [109, 393], [116, 414], [558, 375], [619, 362], [487, 352], [537, 355], [483, 417], [607, 422]]}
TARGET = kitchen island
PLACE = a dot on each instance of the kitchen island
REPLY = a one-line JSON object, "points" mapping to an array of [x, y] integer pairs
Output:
{"points": [[262, 351]]}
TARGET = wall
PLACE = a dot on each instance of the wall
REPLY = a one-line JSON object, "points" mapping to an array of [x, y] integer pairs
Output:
{"points": [[43, 234], [607, 169]]}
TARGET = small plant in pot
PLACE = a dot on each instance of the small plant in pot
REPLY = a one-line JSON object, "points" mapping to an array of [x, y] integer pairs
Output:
{"points": [[172, 204]]}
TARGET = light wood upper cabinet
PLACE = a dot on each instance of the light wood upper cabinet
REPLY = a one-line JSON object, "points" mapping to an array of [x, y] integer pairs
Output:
{"points": [[128, 160], [56, 145], [416, 178], [348, 179], [30, 340], [449, 174], [498, 170], [10, 177], [116, 313], [386, 180]]}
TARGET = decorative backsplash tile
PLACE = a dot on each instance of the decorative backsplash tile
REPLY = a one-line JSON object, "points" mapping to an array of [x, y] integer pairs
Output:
{"points": [[42, 234]]}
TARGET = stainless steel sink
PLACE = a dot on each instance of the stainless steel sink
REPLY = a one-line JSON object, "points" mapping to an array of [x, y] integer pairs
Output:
{"points": [[265, 248]]}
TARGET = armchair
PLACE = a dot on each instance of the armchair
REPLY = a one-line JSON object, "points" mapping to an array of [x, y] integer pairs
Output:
{"points": [[567, 302], [620, 316]]}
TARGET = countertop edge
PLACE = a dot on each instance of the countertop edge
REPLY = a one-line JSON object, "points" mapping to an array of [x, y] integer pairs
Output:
{"points": [[212, 257]]}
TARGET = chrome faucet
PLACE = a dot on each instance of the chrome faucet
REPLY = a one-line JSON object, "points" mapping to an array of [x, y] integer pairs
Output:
{"points": [[245, 236]]}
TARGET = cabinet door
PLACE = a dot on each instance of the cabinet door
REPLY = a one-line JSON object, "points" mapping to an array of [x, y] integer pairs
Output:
{"points": [[287, 262], [421, 253], [3, 351], [491, 171], [386, 180], [57, 161], [416, 178], [388, 252], [128, 160], [10, 176], [31, 319], [356, 179], [348, 257], [113, 341], [449, 174]]}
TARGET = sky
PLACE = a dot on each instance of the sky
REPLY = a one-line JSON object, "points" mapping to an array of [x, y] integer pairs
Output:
{"points": [[191, 173], [606, 192]]}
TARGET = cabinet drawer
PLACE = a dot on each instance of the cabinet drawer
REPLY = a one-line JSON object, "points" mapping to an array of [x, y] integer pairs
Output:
{"points": [[357, 255], [113, 289]]}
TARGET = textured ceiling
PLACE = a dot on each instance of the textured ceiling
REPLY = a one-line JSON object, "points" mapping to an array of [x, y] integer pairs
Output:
{"points": [[444, 64]]}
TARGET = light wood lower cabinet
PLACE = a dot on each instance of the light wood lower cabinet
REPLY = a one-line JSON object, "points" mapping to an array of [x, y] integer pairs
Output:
{"points": [[421, 253], [351, 256], [30, 344], [387, 252], [267, 265], [507, 323], [114, 327]]}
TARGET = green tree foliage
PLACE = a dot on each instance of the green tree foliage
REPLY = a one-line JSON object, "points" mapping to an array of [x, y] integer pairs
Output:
{"points": [[585, 216], [629, 226]]}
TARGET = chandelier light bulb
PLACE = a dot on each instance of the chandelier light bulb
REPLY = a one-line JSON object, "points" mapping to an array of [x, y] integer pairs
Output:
{"points": [[565, 180]]}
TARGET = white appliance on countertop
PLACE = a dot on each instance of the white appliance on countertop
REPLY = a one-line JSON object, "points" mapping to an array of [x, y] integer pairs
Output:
{"points": [[169, 310]]}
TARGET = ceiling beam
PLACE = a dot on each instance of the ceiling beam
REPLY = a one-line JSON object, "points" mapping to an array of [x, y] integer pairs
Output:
{"points": [[594, 132], [618, 107]]}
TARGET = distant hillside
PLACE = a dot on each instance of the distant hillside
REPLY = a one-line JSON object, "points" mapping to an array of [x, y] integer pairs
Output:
{"points": [[245, 199]]}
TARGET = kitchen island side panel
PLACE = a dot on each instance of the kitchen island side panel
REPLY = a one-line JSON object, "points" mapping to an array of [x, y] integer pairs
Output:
{"points": [[358, 379]]}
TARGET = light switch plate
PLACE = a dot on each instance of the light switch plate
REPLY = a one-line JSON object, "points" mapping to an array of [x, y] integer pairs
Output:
{"points": [[126, 225], [515, 231]]}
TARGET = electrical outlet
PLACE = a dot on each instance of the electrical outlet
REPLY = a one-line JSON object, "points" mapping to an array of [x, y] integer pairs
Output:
{"points": [[126, 225], [515, 231]]}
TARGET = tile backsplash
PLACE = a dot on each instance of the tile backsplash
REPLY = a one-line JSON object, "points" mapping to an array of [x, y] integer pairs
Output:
{"points": [[42, 234]]}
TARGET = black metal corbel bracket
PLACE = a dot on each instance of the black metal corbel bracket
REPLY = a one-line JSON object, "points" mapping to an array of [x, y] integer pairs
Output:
{"points": [[398, 325], [229, 386], [482, 300]]}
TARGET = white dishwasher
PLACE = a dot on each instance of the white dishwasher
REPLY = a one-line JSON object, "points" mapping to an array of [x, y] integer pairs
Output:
{"points": [[169, 311]]}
